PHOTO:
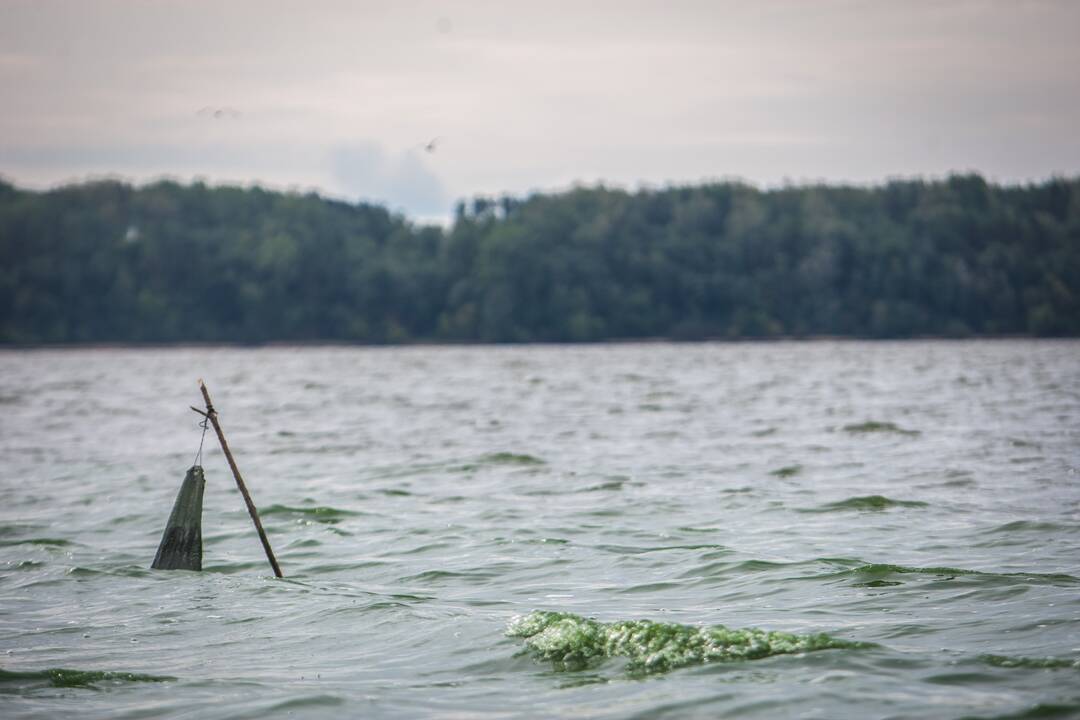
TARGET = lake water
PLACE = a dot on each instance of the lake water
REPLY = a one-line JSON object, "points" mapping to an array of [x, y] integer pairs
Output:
{"points": [[885, 529]]}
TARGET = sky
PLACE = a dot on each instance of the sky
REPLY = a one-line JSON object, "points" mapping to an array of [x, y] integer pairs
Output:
{"points": [[344, 97]]}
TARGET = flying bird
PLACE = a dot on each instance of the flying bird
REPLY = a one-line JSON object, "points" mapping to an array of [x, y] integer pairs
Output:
{"points": [[430, 145], [218, 112]]}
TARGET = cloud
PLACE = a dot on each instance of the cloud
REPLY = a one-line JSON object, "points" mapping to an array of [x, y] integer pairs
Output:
{"points": [[400, 180]]}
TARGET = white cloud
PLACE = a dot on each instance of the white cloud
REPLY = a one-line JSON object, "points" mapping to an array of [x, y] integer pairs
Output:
{"points": [[400, 180]]}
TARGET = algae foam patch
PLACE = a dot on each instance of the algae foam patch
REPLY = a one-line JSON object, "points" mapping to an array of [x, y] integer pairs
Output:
{"points": [[574, 642], [68, 678]]}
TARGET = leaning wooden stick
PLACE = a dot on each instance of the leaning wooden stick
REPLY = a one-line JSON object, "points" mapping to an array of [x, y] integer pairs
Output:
{"points": [[211, 415]]}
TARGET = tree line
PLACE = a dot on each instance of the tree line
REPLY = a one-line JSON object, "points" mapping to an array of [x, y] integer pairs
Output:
{"points": [[105, 261]]}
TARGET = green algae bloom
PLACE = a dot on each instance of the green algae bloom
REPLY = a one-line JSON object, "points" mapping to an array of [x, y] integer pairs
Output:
{"points": [[1048, 663], [574, 642], [871, 502], [508, 458], [68, 678], [874, 426]]}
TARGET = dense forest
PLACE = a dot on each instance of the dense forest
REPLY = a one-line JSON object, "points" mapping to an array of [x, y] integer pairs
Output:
{"points": [[108, 262]]}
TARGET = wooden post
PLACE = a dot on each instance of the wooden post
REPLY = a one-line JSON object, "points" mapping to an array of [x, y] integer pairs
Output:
{"points": [[211, 415]]}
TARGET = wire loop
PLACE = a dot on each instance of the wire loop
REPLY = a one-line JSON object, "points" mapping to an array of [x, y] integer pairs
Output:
{"points": [[205, 425]]}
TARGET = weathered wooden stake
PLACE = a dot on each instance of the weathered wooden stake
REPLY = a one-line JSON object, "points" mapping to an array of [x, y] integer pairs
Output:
{"points": [[211, 415]]}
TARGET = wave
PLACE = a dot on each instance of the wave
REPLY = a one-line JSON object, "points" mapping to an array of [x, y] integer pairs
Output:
{"points": [[611, 485], [1033, 525], [497, 458], [882, 574], [303, 702], [67, 678], [573, 642], [640, 549], [509, 458], [321, 513], [863, 573], [232, 568], [113, 570], [1038, 711], [874, 426], [867, 502], [1047, 663], [48, 542]]}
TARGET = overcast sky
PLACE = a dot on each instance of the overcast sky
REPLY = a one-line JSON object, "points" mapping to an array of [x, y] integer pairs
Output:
{"points": [[342, 96]]}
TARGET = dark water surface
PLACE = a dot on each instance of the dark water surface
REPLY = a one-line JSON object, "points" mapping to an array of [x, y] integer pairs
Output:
{"points": [[882, 530]]}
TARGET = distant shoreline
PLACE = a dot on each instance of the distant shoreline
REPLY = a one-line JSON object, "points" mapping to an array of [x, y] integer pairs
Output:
{"points": [[958, 258]]}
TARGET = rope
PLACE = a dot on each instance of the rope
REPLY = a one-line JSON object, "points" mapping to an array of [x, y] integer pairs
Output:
{"points": [[205, 424]]}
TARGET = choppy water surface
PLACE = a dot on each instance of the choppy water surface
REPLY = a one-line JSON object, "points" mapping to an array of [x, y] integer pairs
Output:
{"points": [[814, 530]]}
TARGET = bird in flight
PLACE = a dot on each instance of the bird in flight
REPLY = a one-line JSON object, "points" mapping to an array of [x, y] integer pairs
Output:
{"points": [[431, 144], [218, 112]]}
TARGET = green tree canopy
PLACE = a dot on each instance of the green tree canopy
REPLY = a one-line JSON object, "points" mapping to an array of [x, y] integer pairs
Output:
{"points": [[108, 262]]}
